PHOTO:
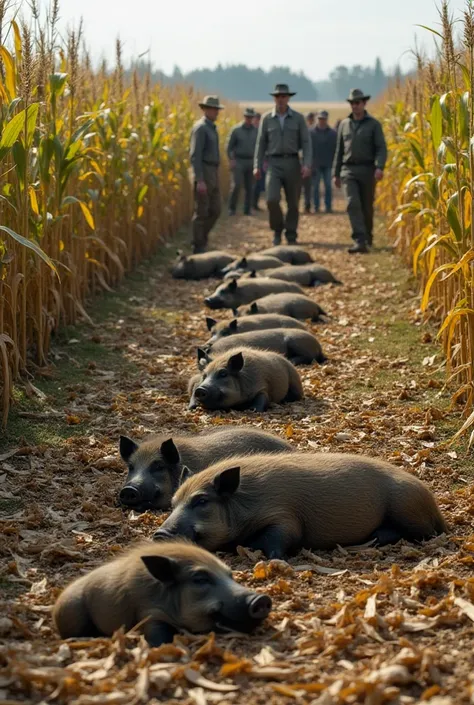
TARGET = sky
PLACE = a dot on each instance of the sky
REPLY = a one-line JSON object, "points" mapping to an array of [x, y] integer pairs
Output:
{"points": [[312, 36]]}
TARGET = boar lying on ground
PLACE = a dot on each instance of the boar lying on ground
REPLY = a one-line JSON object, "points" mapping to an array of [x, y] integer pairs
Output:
{"points": [[155, 466], [234, 294], [207, 264], [255, 262], [303, 274], [173, 585], [294, 305], [245, 379], [291, 254], [299, 346], [245, 324], [281, 503]]}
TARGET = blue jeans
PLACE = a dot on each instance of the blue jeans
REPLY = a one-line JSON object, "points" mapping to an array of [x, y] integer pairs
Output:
{"points": [[324, 173]]}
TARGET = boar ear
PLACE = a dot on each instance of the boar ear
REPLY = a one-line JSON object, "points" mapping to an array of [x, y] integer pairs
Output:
{"points": [[185, 474], [235, 312], [253, 274], [243, 262], [203, 358], [236, 362], [127, 447], [169, 452], [227, 482], [233, 285], [164, 569], [254, 308], [233, 325], [210, 322]]}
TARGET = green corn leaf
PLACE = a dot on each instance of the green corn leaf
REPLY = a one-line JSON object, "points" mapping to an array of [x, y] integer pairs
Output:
{"points": [[436, 122], [452, 214], [14, 127], [31, 245]]}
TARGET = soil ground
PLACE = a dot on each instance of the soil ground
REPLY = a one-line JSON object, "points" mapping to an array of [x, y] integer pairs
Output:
{"points": [[348, 626]]}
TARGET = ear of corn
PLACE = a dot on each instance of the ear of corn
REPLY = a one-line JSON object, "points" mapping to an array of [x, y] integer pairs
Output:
{"points": [[94, 175], [428, 194]]}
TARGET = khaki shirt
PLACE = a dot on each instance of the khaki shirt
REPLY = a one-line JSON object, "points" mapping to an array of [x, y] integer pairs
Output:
{"points": [[274, 141], [359, 143], [204, 147], [242, 141]]}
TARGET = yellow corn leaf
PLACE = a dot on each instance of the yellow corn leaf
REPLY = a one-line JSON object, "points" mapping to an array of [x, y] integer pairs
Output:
{"points": [[462, 264], [140, 211], [33, 200], [95, 165], [17, 35], [87, 215], [61, 245], [10, 72], [467, 424], [430, 282]]}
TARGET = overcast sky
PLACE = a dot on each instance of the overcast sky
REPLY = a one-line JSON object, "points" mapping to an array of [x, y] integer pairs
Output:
{"points": [[309, 35]]}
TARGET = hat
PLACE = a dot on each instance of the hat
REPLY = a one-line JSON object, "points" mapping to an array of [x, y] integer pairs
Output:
{"points": [[211, 101], [309, 116], [249, 112], [323, 114], [282, 89], [357, 94]]}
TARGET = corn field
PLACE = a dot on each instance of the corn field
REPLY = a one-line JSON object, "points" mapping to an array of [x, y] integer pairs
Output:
{"points": [[428, 192], [94, 175]]}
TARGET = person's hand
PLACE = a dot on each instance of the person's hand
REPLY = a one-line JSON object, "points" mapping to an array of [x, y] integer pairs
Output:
{"points": [[305, 172], [337, 181], [201, 187], [257, 174], [378, 174], [232, 163]]}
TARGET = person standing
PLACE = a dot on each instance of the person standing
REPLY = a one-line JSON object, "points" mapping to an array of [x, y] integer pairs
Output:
{"points": [[361, 154], [282, 133], [205, 158], [307, 182], [259, 186], [323, 140], [240, 150]]}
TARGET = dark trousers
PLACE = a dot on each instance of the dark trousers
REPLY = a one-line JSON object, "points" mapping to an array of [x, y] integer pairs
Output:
{"points": [[242, 176], [207, 208], [322, 173], [359, 190], [284, 174]]}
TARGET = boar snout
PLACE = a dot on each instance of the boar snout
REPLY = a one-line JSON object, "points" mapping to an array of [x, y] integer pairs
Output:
{"points": [[259, 606], [130, 496], [213, 302], [201, 393], [163, 535]]}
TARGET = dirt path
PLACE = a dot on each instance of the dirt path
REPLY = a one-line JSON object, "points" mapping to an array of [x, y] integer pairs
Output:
{"points": [[373, 626]]}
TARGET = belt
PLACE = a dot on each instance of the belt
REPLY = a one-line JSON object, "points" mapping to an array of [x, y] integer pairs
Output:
{"points": [[359, 164], [284, 156], [210, 163]]}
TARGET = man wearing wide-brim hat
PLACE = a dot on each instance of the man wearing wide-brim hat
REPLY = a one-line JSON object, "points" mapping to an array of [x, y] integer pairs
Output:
{"points": [[205, 159], [359, 162], [281, 135], [240, 150]]}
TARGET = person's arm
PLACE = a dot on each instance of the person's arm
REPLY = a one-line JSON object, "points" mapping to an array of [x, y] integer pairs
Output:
{"points": [[197, 152], [337, 163], [260, 146], [306, 145], [380, 147], [232, 144]]}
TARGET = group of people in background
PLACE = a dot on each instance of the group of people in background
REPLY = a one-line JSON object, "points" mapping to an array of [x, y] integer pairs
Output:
{"points": [[284, 151]]}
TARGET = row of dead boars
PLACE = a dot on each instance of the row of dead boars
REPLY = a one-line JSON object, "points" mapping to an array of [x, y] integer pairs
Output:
{"points": [[239, 485]]}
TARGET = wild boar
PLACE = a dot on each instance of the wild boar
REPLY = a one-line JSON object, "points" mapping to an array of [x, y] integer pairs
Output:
{"points": [[282, 503], [207, 264], [256, 262], [172, 585], [266, 321], [303, 274], [156, 464], [234, 294], [291, 254], [294, 305], [299, 346], [246, 379]]}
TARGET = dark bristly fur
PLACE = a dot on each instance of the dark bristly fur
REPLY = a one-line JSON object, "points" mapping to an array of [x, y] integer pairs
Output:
{"points": [[207, 264], [235, 293], [294, 305], [291, 254]]}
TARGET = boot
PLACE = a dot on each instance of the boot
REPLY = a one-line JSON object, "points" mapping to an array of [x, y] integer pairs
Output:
{"points": [[358, 248], [291, 237], [276, 238]]}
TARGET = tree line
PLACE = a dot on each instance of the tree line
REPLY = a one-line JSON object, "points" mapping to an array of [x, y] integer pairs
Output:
{"points": [[239, 82]]}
